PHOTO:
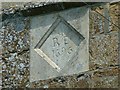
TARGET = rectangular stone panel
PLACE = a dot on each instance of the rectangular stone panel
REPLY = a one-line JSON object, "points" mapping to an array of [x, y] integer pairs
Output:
{"points": [[59, 44]]}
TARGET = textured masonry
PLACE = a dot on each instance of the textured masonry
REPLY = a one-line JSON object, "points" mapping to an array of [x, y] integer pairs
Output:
{"points": [[59, 44]]}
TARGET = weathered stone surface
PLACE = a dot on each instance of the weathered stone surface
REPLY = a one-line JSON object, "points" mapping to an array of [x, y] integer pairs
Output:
{"points": [[104, 50], [59, 44], [103, 61], [15, 53], [74, 81], [105, 82], [104, 55]]}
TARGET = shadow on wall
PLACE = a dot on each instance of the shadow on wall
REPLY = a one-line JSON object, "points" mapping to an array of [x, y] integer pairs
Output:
{"points": [[45, 20]]}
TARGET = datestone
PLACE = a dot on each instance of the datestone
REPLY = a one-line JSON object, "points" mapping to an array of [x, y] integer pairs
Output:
{"points": [[59, 44]]}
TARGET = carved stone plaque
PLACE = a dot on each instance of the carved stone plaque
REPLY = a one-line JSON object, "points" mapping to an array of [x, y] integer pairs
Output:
{"points": [[59, 44]]}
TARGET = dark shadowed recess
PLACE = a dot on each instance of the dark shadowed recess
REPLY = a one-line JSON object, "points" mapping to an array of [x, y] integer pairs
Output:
{"points": [[54, 7], [45, 8]]}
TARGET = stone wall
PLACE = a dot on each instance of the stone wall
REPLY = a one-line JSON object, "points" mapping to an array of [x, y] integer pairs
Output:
{"points": [[103, 55], [15, 55]]}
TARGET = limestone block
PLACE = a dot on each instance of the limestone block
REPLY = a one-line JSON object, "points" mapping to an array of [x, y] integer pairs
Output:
{"points": [[59, 44]]}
